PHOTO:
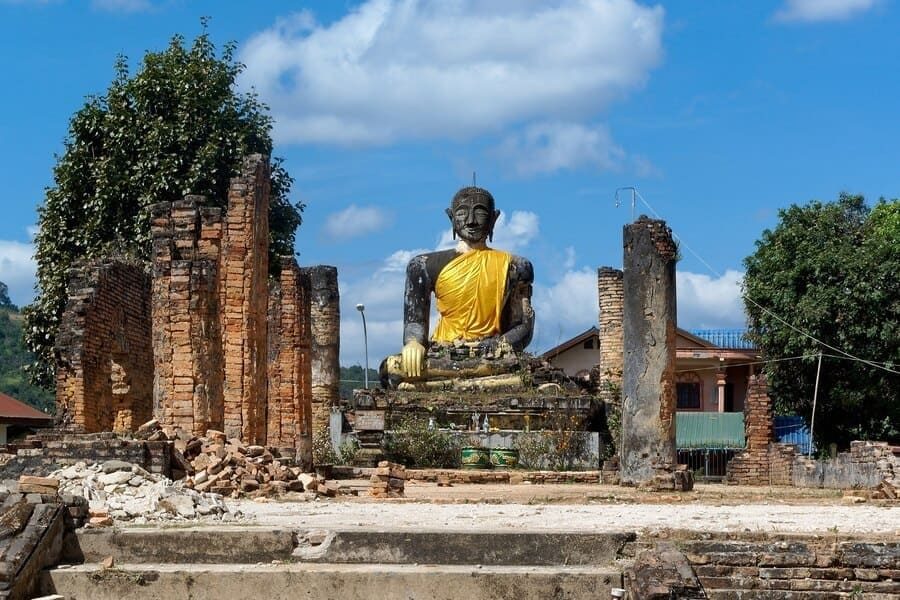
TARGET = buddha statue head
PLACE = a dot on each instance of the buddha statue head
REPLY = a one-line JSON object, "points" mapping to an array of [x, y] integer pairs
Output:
{"points": [[473, 215]]}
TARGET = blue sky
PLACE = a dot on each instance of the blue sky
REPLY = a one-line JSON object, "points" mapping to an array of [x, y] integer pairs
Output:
{"points": [[719, 113]]}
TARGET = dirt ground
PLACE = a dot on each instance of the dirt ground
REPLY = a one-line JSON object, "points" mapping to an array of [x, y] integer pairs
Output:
{"points": [[587, 508]]}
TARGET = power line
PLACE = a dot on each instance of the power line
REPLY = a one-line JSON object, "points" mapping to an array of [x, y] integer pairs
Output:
{"points": [[681, 241], [745, 364]]}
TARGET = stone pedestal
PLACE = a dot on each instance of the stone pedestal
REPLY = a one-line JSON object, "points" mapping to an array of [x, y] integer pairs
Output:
{"points": [[648, 415]]}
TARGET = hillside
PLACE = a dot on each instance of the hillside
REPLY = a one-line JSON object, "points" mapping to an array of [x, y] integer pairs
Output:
{"points": [[13, 356]]}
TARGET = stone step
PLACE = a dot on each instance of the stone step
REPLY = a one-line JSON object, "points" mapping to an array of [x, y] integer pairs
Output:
{"points": [[251, 545], [312, 580]]}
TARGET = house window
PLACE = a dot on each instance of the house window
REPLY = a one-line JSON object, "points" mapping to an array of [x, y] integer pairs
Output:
{"points": [[688, 396], [689, 391], [589, 344]]}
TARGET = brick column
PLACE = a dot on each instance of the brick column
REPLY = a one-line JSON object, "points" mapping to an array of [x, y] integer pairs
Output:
{"points": [[289, 396], [187, 347], [612, 297], [325, 320], [648, 413], [244, 298], [751, 467]]}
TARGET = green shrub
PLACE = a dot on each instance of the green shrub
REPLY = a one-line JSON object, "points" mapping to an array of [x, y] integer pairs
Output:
{"points": [[348, 450], [322, 450], [413, 444]]}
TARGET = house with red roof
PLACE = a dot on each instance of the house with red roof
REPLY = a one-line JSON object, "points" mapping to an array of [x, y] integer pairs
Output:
{"points": [[16, 416]]}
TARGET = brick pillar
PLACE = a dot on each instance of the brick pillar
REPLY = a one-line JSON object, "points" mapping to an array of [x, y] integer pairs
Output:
{"points": [[648, 414], [187, 349], [325, 320], [611, 297], [289, 396], [751, 467], [244, 299]]}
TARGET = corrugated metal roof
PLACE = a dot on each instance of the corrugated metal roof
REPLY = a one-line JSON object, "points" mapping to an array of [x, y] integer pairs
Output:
{"points": [[793, 430], [733, 339], [709, 430]]}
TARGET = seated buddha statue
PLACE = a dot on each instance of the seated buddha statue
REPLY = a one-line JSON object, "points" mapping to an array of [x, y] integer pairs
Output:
{"points": [[482, 295]]}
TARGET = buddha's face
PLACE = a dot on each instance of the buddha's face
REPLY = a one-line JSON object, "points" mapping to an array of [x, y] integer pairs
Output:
{"points": [[473, 218]]}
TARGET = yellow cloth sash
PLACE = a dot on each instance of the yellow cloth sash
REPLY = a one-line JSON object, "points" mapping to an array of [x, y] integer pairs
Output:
{"points": [[469, 293]]}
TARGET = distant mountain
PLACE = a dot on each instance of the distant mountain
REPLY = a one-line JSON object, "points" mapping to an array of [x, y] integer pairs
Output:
{"points": [[13, 357]]}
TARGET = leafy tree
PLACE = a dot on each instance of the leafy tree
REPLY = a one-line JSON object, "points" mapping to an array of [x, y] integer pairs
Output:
{"points": [[831, 270], [5, 302], [175, 127], [354, 377]]}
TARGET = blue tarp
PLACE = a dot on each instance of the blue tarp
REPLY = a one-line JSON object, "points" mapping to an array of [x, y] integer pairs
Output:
{"points": [[793, 430]]}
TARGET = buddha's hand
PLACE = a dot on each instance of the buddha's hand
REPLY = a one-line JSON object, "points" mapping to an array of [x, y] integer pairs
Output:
{"points": [[412, 357]]}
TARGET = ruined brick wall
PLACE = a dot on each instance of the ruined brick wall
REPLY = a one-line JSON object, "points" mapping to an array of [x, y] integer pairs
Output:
{"points": [[751, 467], [803, 568], [866, 466], [648, 379], [289, 423], [611, 296], [244, 292], [187, 343], [104, 371], [325, 315]]}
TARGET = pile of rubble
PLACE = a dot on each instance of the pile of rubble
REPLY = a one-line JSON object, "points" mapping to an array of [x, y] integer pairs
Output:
{"points": [[126, 492], [221, 465]]}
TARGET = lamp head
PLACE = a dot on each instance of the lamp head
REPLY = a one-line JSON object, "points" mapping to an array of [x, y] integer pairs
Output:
{"points": [[360, 307]]}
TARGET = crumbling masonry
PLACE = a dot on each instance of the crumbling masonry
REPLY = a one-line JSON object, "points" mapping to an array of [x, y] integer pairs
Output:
{"points": [[648, 390], [202, 342]]}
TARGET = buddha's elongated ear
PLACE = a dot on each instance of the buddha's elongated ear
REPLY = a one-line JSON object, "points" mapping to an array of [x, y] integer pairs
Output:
{"points": [[493, 222], [452, 224]]}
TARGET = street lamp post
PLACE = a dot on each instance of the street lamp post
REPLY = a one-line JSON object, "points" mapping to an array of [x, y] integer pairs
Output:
{"points": [[362, 311]]}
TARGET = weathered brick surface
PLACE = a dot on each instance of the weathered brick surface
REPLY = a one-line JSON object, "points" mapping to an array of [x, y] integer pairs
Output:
{"points": [[104, 369], [289, 422], [754, 466], [50, 451], [244, 285], [648, 381], [187, 346], [805, 569], [611, 294], [325, 315], [190, 345], [866, 465]]}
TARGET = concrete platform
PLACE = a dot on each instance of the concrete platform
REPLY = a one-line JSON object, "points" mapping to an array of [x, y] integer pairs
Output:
{"points": [[292, 581], [281, 562], [239, 545]]}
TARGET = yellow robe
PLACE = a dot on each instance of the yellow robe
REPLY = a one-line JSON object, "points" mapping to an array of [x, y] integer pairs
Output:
{"points": [[469, 293]]}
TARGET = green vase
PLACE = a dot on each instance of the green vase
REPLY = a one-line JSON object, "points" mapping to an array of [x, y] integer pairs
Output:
{"points": [[475, 458], [504, 458]]}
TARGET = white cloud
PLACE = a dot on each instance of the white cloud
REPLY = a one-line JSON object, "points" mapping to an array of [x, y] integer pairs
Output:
{"points": [[411, 69], [17, 270], [355, 221], [705, 302], [555, 146], [522, 227], [564, 309], [806, 11]]}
